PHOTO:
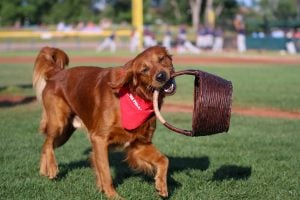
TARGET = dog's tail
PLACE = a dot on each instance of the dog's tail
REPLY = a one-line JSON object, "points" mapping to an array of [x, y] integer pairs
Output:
{"points": [[49, 62]]}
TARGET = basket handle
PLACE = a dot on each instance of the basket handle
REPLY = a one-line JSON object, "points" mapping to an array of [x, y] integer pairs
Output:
{"points": [[156, 108]]}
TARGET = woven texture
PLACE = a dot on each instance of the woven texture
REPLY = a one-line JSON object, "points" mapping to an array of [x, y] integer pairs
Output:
{"points": [[212, 104]]}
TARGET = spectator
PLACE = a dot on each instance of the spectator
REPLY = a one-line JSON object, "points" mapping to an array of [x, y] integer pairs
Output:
{"points": [[80, 26], [200, 39], [183, 45], [297, 39], [239, 26], [209, 37], [297, 33], [149, 38], [134, 40], [60, 26], [218, 40], [167, 39], [181, 37], [108, 42], [277, 33], [91, 27], [290, 45], [259, 34]]}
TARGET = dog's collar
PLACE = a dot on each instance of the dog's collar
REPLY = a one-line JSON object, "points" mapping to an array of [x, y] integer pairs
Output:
{"points": [[134, 109]]}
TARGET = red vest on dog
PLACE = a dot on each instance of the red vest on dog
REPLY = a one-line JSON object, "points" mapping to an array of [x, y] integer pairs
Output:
{"points": [[134, 110]]}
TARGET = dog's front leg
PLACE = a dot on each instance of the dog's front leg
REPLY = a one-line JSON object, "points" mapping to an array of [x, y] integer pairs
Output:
{"points": [[101, 162], [147, 157]]}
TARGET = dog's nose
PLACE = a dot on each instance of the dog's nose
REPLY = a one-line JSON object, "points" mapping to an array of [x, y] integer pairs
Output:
{"points": [[161, 77]]}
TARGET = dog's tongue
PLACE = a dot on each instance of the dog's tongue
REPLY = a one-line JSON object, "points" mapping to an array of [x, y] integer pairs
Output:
{"points": [[170, 87]]}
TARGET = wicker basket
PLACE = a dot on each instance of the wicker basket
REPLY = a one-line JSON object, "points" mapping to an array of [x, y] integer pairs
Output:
{"points": [[212, 104]]}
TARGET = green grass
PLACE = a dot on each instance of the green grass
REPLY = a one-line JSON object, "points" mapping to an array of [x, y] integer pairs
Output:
{"points": [[260, 85], [16, 79], [257, 159]]}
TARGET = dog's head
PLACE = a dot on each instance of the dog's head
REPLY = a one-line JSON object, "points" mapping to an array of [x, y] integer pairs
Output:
{"points": [[148, 71]]}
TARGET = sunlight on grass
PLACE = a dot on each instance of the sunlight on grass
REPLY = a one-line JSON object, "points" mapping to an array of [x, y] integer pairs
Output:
{"points": [[259, 86], [256, 159]]}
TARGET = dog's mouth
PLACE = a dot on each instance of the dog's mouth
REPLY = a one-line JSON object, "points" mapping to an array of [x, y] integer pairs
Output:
{"points": [[170, 87]]}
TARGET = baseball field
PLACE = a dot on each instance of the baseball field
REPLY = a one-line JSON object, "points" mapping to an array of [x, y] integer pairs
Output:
{"points": [[257, 159]]}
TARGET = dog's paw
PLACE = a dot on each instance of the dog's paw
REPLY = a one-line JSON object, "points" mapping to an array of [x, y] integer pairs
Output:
{"points": [[112, 194], [53, 173], [162, 189], [49, 171], [115, 196], [163, 193]]}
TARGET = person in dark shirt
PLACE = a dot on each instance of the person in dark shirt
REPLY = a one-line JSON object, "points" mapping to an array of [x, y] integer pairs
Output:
{"points": [[239, 26], [108, 42]]}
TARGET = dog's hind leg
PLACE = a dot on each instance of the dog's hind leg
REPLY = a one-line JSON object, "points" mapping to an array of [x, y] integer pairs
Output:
{"points": [[48, 166], [147, 158], [58, 129]]}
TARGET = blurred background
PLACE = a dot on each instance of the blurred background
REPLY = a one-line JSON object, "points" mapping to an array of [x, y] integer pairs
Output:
{"points": [[191, 26], [253, 43]]}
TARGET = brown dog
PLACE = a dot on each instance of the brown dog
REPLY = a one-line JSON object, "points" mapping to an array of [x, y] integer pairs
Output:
{"points": [[91, 96]]}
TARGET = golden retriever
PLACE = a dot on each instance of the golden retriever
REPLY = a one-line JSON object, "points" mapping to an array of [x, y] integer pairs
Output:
{"points": [[92, 97]]}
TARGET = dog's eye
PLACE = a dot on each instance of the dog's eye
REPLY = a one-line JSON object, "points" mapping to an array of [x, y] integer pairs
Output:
{"points": [[145, 69], [161, 58]]}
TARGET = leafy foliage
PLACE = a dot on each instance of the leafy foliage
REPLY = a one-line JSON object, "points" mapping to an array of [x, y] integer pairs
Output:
{"points": [[270, 13], [274, 13], [45, 11]]}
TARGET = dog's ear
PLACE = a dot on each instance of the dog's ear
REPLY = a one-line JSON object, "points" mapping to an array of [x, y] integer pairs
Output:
{"points": [[123, 76]]}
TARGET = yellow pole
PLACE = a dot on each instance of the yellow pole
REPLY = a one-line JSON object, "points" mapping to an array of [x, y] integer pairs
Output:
{"points": [[211, 18], [137, 18]]}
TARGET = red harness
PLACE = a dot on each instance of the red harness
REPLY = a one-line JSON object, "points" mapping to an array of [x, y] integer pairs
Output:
{"points": [[134, 110]]}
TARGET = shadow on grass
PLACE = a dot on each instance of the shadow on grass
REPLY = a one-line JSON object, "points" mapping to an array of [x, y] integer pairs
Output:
{"points": [[226, 172], [177, 164], [8, 100], [21, 86], [15, 101], [123, 172], [65, 168]]}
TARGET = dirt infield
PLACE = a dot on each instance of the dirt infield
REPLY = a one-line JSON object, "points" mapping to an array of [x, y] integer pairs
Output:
{"points": [[7, 101], [10, 101]]}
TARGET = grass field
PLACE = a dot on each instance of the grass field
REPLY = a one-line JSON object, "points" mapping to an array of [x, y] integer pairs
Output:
{"points": [[258, 159], [259, 85]]}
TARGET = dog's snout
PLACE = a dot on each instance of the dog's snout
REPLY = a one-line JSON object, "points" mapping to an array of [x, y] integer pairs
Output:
{"points": [[161, 77]]}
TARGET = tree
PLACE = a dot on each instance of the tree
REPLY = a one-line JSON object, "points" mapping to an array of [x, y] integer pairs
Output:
{"points": [[195, 6], [118, 10], [213, 11], [10, 11], [170, 11], [225, 10], [46, 11], [280, 10], [274, 13], [298, 9], [70, 11], [177, 12], [209, 16], [24, 11]]}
